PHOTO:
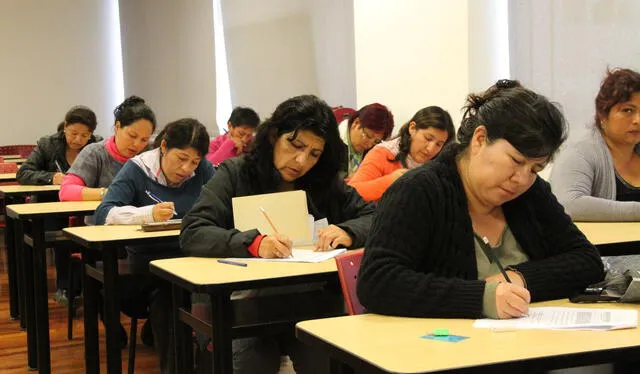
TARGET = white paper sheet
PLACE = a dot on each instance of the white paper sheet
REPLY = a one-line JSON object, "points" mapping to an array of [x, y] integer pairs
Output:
{"points": [[300, 255], [556, 318]]}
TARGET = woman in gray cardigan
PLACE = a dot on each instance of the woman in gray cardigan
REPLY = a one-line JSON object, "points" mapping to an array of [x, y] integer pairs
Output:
{"points": [[598, 178]]}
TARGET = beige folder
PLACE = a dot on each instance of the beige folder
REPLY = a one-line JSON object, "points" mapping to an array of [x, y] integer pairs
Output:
{"points": [[287, 210]]}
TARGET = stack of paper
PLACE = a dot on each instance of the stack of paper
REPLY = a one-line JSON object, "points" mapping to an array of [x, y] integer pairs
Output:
{"points": [[556, 318], [301, 255]]}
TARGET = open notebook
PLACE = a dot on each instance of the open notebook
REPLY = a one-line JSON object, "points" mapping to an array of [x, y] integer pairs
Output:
{"points": [[300, 255]]}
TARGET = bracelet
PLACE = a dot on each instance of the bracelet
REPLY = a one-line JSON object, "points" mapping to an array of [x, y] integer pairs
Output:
{"points": [[519, 273], [101, 192]]}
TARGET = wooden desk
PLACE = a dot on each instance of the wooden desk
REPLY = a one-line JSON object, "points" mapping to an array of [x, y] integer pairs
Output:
{"points": [[207, 275], [33, 270], [7, 177], [107, 240], [382, 344], [9, 157], [8, 195], [16, 160], [613, 238]]}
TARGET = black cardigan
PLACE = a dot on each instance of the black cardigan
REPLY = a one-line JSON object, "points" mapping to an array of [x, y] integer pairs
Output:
{"points": [[208, 229], [420, 259], [41, 164]]}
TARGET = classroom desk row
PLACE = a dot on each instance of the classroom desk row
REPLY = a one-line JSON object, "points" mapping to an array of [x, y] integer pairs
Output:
{"points": [[185, 274]]}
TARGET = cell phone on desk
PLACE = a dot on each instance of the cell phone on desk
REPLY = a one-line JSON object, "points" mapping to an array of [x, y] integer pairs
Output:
{"points": [[172, 224]]}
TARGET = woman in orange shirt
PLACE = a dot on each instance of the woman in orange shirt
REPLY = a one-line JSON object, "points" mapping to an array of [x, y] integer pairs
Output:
{"points": [[419, 140]]}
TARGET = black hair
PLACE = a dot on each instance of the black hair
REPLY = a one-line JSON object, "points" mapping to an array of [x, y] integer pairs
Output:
{"points": [[431, 116], [133, 109], [184, 133], [79, 114], [528, 121], [305, 112], [243, 116]]}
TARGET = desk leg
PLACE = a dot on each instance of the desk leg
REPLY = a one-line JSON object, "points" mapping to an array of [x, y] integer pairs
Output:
{"points": [[182, 339], [90, 300], [222, 319], [18, 245], [41, 296], [12, 268], [112, 309], [28, 295]]}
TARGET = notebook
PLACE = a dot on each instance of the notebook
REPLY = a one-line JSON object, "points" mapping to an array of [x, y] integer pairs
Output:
{"points": [[172, 224]]}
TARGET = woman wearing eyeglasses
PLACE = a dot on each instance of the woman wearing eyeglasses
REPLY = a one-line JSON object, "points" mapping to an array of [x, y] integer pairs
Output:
{"points": [[420, 140], [55, 153], [369, 126]]}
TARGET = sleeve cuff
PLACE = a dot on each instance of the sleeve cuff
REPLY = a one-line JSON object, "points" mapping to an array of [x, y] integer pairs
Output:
{"points": [[489, 308], [255, 245]]}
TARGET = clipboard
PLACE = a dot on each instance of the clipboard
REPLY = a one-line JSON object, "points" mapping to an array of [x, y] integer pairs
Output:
{"points": [[287, 210], [172, 224]]}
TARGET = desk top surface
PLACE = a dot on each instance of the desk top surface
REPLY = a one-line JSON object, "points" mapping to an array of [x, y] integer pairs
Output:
{"points": [[7, 176], [610, 232], [28, 188], [9, 157], [36, 209], [110, 233], [208, 271], [394, 344]]}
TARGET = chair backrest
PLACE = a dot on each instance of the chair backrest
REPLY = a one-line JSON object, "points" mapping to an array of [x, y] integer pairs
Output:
{"points": [[348, 265], [24, 150], [8, 167], [341, 113]]}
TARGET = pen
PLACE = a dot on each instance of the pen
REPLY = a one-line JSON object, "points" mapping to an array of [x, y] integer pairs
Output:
{"points": [[229, 262], [264, 213], [58, 167], [157, 200], [494, 258]]}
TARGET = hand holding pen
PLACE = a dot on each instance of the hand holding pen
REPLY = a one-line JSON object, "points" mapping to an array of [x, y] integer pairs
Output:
{"points": [[57, 177], [163, 210], [274, 246]]}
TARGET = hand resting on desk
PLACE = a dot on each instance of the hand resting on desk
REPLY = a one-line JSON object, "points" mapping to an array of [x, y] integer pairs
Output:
{"points": [[331, 238]]}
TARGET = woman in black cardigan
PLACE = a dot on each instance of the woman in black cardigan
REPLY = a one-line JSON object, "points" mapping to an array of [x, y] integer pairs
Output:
{"points": [[298, 148], [438, 227]]}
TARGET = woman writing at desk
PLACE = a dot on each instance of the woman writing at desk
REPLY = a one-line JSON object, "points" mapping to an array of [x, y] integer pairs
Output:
{"points": [[439, 228], [298, 148]]}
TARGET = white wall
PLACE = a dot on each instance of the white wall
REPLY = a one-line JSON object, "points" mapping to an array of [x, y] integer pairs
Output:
{"points": [[168, 58], [55, 54], [411, 54], [563, 47], [270, 52]]}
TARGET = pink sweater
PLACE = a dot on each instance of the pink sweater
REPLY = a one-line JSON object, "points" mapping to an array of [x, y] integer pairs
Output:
{"points": [[72, 185], [220, 149]]}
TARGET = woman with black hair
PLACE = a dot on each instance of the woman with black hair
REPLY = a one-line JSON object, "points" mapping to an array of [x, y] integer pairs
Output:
{"points": [[419, 140], [298, 148], [55, 153], [97, 164], [439, 226]]}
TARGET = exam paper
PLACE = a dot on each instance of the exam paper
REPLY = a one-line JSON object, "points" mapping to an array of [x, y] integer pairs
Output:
{"points": [[556, 318], [300, 255]]}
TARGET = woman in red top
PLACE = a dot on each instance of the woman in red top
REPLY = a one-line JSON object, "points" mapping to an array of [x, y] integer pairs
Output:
{"points": [[420, 140]]}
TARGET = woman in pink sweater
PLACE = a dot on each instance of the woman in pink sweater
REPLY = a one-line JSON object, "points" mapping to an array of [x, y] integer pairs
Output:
{"points": [[98, 163], [419, 140], [242, 124]]}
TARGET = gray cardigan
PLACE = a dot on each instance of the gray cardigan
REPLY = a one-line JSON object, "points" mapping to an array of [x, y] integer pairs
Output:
{"points": [[584, 181]]}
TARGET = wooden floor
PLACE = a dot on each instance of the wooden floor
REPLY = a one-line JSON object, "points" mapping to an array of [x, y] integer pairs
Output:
{"points": [[66, 356]]}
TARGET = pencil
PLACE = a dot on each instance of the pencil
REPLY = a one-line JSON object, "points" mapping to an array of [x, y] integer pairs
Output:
{"points": [[494, 258], [264, 213]]}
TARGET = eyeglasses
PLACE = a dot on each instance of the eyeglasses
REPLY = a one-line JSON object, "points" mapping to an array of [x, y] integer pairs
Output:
{"points": [[370, 137], [74, 134]]}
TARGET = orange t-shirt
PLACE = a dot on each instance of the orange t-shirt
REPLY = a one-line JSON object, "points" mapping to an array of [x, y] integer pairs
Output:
{"points": [[373, 177]]}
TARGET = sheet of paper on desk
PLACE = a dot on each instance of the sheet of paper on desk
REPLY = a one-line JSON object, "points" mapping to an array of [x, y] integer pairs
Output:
{"points": [[301, 255], [556, 318]]}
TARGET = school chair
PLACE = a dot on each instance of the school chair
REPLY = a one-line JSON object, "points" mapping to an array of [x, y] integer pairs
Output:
{"points": [[341, 113], [24, 150], [348, 265]]}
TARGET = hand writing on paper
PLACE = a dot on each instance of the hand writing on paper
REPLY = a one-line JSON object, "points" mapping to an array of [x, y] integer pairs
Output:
{"points": [[512, 301], [57, 178], [515, 278], [162, 211], [332, 237], [275, 246]]}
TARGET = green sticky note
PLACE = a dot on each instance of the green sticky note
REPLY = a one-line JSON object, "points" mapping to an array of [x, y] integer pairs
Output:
{"points": [[441, 332]]}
